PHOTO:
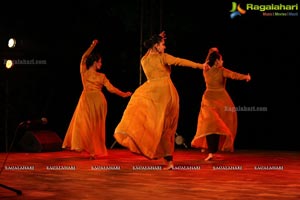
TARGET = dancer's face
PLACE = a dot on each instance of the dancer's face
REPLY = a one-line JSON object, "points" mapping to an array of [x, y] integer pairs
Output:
{"points": [[219, 62], [160, 47], [99, 64]]}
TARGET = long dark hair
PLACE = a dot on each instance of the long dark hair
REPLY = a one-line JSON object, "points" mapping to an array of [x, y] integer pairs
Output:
{"points": [[213, 56], [92, 58], [154, 39]]}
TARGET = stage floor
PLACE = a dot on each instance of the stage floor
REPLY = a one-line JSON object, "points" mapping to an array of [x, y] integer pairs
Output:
{"points": [[64, 175]]}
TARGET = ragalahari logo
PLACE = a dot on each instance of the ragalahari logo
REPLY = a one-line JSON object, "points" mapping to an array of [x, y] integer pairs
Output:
{"points": [[236, 10]]}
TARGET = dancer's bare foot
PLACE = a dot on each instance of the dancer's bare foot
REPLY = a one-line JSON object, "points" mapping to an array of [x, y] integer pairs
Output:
{"points": [[209, 157], [169, 166], [92, 157]]}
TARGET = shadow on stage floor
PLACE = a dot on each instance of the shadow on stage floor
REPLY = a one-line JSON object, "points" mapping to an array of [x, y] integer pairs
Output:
{"points": [[243, 174]]}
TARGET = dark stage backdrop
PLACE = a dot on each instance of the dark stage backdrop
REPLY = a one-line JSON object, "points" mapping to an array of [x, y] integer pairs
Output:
{"points": [[45, 82]]}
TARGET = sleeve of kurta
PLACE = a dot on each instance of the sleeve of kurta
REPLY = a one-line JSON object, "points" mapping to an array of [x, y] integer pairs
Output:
{"points": [[233, 75], [111, 88], [171, 60], [84, 58]]}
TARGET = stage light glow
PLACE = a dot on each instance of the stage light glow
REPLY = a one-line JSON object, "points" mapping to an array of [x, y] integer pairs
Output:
{"points": [[12, 42], [9, 64]]}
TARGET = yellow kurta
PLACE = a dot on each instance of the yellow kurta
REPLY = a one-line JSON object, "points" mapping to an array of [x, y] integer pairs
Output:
{"points": [[217, 114], [86, 131], [149, 122]]}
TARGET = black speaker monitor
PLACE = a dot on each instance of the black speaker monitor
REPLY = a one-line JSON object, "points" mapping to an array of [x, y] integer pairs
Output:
{"points": [[40, 141]]}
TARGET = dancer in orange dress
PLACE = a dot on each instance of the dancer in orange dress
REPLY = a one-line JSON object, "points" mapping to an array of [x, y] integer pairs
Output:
{"points": [[149, 122], [217, 120], [86, 131]]}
